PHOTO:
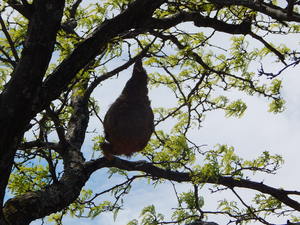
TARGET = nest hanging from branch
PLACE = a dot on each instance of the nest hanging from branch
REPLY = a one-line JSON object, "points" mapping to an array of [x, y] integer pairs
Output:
{"points": [[128, 123]]}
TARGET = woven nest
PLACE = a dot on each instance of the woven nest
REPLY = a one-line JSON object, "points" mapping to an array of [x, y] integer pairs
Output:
{"points": [[128, 124]]}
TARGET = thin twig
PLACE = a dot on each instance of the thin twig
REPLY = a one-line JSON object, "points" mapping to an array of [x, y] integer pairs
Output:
{"points": [[10, 41]]}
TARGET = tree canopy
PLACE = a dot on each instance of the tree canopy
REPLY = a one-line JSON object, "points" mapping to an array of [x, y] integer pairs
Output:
{"points": [[54, 57]]}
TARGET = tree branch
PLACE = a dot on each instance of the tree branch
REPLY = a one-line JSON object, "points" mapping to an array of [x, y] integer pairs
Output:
{"points": [[8, 38], [271, 10], [25, 9], [79, 119], [40, 144], [8, 58], [33, 205], [151, 170], [199, 60], [59, 195], [200, 21], [74, 8], [59, 128], [270, 47]]}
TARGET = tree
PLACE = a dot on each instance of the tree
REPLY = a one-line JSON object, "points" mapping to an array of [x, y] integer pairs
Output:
{"points": [[55, 54]]}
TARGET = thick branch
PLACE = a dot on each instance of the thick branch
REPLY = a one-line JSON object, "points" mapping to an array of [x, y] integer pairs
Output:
{"points": [[40, 144], [59, 195], [151, 170], [200, 21], [79, 120], [271, 10], [25, 9]]}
